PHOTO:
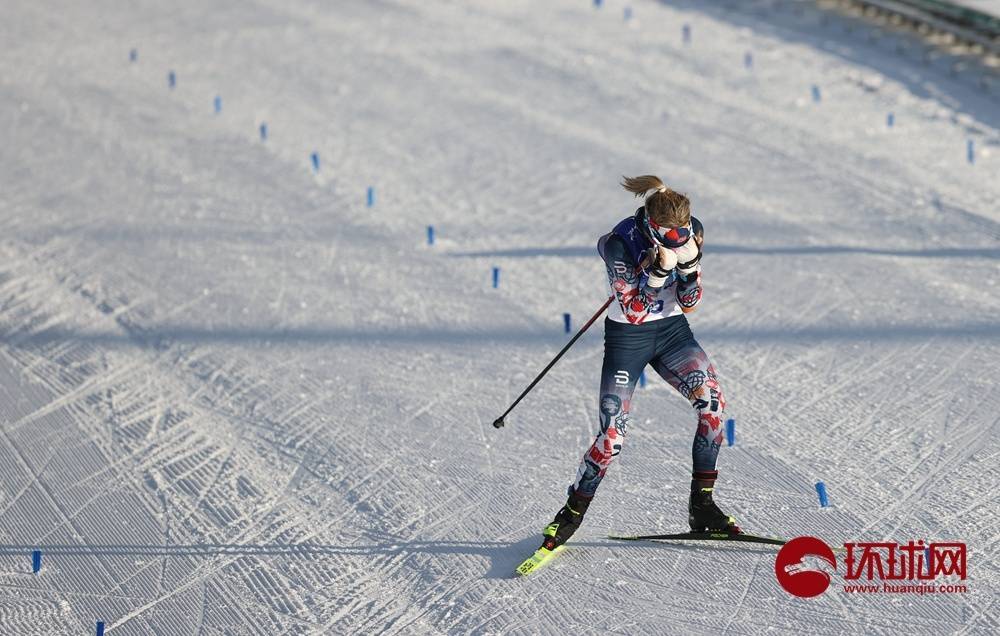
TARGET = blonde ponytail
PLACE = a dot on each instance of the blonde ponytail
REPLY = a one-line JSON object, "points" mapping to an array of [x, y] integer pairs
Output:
{"points": [[639, 186], [664, 206]]}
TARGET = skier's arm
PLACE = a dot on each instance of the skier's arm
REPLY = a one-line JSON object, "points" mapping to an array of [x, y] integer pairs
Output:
{"points": [[689, 275], [635, 296]]}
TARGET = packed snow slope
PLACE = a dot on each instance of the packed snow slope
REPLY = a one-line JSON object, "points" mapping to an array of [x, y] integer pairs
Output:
{"points": [[235, 399], [991, 7]]}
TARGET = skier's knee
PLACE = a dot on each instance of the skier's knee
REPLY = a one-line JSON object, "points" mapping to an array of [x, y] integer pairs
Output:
{"points": [[614, 424], [614, 416], [708, 398]]}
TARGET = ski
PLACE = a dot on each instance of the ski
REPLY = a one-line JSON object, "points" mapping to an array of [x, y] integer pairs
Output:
{"points": [[537, 560], [702, 536]]}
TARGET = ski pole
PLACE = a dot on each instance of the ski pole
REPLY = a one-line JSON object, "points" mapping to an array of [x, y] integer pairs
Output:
{"points": [[499, 421]]}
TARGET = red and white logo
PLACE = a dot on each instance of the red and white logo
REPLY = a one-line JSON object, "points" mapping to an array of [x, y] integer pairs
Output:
{"points": [[804, 566]]}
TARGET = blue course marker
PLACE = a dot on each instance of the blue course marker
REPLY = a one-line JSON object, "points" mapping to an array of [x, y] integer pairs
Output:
{"points": [[686, 33], [496, 277], [730, 432], [970, 149], [890, 120], [566, 322], [171, 79], [817, 96], [314, 157], [430, 235], [824, 501], [370, 197], [598, 3], [263, 132], [628, 13], [748, 59], [217, 103], [642, 379], [36, 561], [133, 55], [100, 628]]}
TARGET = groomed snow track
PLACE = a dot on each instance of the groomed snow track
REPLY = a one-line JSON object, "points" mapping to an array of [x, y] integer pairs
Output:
{"points": [[235, 399]]}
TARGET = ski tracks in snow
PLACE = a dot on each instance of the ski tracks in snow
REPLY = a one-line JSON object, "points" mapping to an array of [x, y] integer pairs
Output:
{"points": [[207, 346]]}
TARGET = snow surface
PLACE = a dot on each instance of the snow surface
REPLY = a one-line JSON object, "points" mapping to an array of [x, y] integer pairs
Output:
{"points": [[236, 400], [991, 7]]}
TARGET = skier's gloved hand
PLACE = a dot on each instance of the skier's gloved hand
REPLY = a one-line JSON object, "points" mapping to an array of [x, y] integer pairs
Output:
{"points": [[689, 291], [688, 256], [666, 260], [689, 288]]}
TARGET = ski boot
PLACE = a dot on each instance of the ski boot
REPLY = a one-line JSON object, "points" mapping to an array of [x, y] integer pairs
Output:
{"points": [[567, 520], [556, 533], [703, 514]]}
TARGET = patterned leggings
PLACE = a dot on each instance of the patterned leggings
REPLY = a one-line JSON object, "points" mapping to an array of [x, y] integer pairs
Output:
{"points": [[670, 348]]}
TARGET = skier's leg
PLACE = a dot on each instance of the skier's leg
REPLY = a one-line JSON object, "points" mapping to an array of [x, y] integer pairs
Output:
{"points": [[624, 359], [627, 349], [687, 368]]}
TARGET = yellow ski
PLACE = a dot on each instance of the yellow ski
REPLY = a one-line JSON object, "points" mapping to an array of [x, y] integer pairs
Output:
{"points": [[537, 560]]}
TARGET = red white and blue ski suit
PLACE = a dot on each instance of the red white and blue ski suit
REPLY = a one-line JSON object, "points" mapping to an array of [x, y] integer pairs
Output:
{"points": [[647, 326]]}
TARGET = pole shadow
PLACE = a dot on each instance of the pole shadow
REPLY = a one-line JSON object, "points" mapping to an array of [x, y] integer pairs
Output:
{"points": [[504, 557]]}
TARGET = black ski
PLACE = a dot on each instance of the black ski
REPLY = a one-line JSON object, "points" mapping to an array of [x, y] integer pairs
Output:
{"points": [[701, 536]]}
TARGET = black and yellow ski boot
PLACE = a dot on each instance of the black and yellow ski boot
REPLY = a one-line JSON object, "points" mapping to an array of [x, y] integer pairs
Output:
{"points": [[567, 520], [703, 514]]}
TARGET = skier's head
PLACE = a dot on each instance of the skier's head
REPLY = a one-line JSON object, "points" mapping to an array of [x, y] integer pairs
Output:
{"points": [[666, 214]]}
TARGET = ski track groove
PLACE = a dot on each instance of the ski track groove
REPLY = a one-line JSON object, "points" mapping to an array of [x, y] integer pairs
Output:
{"points": [[46, 492], [743, 597], [491, 474], [207, 488]]}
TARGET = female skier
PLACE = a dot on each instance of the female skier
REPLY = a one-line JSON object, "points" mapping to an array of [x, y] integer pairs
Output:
{"points": [[654, 271]]}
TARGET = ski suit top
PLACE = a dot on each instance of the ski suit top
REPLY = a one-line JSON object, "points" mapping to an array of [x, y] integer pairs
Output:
{"points": [[622, 250]]}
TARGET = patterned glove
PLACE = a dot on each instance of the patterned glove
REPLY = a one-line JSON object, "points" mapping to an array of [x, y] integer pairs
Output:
{"points": [[665, 261], [688, 256], [689, 292], [689, 282]]}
